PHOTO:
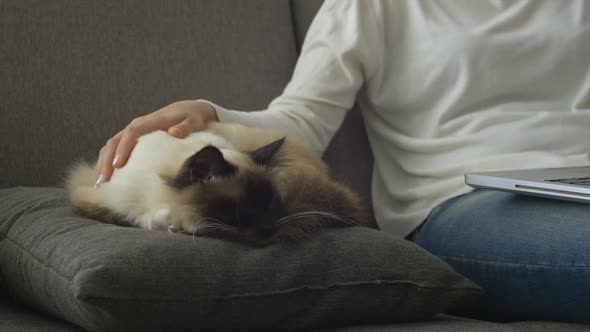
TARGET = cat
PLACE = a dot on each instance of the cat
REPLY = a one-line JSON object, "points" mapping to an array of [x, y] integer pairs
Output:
{"points": [[231, 182]]}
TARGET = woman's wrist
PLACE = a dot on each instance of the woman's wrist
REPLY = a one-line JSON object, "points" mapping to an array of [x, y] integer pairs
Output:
{"points": [[207, 110]]}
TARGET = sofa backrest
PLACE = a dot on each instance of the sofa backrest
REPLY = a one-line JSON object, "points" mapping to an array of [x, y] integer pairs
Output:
{"points": [[73, 73]]}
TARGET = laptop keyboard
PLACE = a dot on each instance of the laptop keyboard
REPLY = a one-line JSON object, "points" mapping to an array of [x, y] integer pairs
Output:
{"points": [[583, 181]]}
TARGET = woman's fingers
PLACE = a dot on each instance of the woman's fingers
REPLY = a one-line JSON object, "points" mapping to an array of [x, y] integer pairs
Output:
{"points": [[187, 126], [118, 149], [178, 119], [105, 160], [130, 135]]}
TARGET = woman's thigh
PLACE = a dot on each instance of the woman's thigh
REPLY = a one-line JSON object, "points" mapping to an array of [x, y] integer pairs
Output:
{"points": [[531, 255]]}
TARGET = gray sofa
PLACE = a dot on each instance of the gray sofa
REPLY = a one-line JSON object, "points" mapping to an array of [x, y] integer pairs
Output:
{"points": [[74, 72]]}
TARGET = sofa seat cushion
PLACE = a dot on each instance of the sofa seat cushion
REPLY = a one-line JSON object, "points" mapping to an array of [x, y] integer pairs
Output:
{"points": [[445, 323], [15, 317], [110, 278]]}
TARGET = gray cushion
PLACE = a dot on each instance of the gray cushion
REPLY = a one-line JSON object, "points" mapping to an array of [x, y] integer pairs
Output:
{"points": [[106, 277], [444, 323], [16, 318], [77, 72]]}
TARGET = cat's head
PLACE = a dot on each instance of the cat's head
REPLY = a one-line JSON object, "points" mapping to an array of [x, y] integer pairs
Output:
{"points": [[234, 198]]}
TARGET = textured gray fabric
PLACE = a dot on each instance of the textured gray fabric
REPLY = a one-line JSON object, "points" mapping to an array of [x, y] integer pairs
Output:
{"points": [[74, 73], [537, 326], [441, 323], [106, 277], [16, 318], [444, 323]]}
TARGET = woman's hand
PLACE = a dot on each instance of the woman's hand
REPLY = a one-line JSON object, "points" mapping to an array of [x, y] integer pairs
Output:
{"points": [[179, 119]]}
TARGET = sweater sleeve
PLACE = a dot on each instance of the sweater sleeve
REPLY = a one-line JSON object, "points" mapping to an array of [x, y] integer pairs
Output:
{"points": [[337, 57]]}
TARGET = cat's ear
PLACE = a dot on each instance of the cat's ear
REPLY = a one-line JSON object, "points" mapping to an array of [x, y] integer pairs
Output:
{"points": [[202, 167], [264, 156], [209, 162]]}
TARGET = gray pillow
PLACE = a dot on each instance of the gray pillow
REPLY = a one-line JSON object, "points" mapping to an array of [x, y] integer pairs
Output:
{"points": [[110, 278]]}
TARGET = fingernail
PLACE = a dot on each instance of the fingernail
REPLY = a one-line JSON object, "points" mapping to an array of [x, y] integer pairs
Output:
{"points": [[116, 160], [100, 178]]}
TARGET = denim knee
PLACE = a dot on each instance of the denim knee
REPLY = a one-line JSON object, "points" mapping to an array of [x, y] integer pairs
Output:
{"points": [[531, 255]]}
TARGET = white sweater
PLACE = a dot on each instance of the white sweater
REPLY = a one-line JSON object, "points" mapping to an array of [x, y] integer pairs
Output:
{"points": [[445, 87]]}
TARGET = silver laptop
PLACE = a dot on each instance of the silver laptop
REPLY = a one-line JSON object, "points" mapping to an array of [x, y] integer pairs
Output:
{"points": [[571, 183]]}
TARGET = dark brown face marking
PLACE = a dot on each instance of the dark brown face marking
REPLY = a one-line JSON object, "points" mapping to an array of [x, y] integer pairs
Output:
{"points": [[246, 206], [252, 214], [202, 167]]}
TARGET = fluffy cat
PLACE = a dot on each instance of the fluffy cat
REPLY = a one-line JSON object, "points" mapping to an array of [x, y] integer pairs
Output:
{"points": [[229, 181]]}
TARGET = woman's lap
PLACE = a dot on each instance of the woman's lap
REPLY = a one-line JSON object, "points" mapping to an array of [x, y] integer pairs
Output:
{"points": [[531, 255]]}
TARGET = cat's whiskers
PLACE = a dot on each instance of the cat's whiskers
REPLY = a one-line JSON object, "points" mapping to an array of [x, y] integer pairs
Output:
{"points": [[212, 224], [308, 214], [216, 221]]}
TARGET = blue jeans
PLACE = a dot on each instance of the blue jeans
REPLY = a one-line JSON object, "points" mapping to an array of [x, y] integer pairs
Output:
{"points": [[531, 255]]}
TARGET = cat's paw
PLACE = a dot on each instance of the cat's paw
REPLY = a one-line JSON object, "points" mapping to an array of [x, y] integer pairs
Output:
{"points": [[160, 220]]}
